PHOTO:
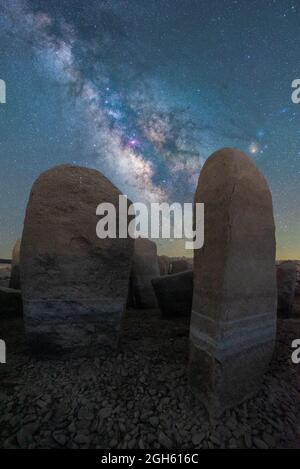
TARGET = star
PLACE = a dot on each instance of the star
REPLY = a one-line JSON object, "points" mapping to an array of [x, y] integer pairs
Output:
{"points": [[132, 142], [253, 148]]}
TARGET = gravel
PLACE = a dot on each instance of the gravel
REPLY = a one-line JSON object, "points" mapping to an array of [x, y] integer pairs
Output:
{"points": [[140, 398]]}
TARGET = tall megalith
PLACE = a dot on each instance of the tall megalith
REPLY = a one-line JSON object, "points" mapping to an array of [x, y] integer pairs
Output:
{"points": [[144, 268], [74, 285], [233, 321]]}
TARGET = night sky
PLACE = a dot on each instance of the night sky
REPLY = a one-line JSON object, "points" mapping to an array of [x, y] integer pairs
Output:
{"points": [[145, 91]]}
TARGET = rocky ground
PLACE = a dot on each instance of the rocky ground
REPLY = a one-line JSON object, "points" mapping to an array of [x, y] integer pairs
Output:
{"points": [[140, 400]]}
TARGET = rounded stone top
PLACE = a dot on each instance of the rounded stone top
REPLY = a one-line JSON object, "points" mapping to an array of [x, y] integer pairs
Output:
{"points": [[72, 177], [232, 159], [232, 153], [224, 171]]}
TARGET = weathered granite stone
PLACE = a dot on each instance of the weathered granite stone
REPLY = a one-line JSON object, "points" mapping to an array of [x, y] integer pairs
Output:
{"points": [[15, 267], [174, 294], [164, 265], [233, 319], [296, 304], [74, 284], [144, 269], [174, 265], [297, 289], [286, 287], [180, 265], [5, 272], [296, 307], [10, 302]]}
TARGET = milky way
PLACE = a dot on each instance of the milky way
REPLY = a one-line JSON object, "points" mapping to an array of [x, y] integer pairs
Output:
{"points": [[144, 91]]}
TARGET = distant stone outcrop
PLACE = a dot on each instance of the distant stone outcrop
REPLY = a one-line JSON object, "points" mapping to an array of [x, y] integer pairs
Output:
{"points": [[233, 319], [5, 273], [296, 305], [164, 265], [174, 294], [174, 265], [297, 292], [286, 287], [15, 281], [180, 264], [144, 269], [74, 284]]}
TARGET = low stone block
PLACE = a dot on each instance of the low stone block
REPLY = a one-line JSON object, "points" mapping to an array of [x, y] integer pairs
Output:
{"points": [[174, 294], [144, 269]]}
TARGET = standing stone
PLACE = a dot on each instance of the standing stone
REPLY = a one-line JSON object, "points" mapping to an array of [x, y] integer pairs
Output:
{"points": [[15, 267], [144, 269], [297, 289], [174, 294], [74, 284], [5, 273], [296, 305], [286, 287], [233, 321], [180, 265], [164, 265]]}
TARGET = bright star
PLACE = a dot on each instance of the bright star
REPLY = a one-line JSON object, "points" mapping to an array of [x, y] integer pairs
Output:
{"points": [[132, 142], [253, 148]]}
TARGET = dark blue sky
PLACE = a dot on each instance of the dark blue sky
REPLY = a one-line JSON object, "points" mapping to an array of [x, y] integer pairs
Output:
{"points": [[145, 91]]}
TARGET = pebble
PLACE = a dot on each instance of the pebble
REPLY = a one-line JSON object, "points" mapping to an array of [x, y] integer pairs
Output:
{"points": [[80, 403], [164, 440], [60, 438], [198, 438], [260, 444]]}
